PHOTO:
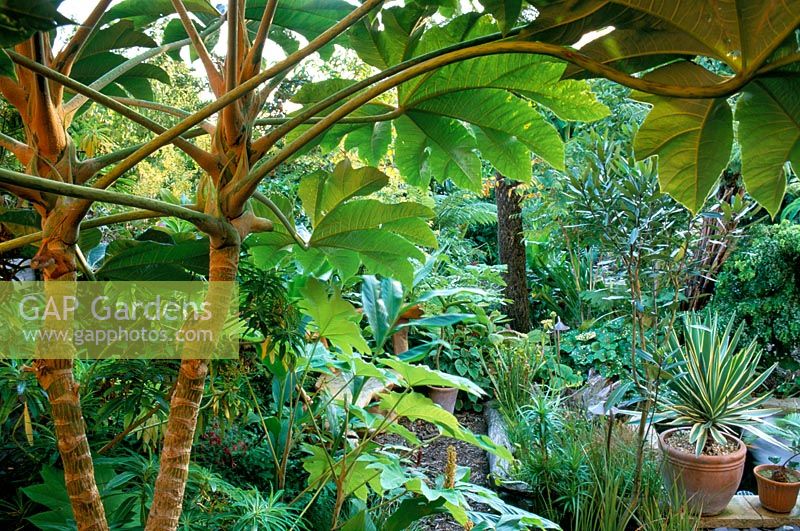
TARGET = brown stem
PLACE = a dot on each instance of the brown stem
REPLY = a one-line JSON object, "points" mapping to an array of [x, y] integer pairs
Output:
{"points": [[203, 159], [185, 404], [51, 139], [56, 378], [67, 56], [214, 77], [22, 151], [232, 117], [252, 62]]}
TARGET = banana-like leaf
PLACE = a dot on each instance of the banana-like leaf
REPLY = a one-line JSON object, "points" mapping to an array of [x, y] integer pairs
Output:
{"points": [[142, 14]]}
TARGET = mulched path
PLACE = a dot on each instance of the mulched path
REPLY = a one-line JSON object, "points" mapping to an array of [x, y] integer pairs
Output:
{"points": [[434, 457]]}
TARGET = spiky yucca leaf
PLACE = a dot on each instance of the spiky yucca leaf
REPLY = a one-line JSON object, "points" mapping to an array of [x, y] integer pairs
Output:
{"points": [[714, 392]]}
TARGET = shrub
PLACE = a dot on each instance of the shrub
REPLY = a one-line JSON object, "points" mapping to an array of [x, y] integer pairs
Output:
{"points": [[758, 285], [606, 348]]}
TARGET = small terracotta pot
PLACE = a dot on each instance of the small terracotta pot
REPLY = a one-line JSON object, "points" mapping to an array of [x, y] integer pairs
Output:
{"points": [[776, 496], [444, 396], [709, 481]]}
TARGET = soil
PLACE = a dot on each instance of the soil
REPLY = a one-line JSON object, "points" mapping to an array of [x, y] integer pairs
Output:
{"points": [[781, 475], [433, 458], [680, 441]]}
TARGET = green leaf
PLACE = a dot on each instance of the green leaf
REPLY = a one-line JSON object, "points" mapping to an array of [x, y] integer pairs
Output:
{"points": [[383, 252], [418, 375], [411, 510], [646, 33], [322, 192], [19, 19], [117, 36], [515, 72], [371, 142], [519, 118], [508, 155], [570, 100], [749, 27], [309, 18], [174, 31], [692, 137], [356, 473], [319, 90], [145, 13], [89, 69], [149, 260], [365, 214], [768, 112], [439, 321], [333, 317], [386, 42], [7, 65], [505, 12], [431, 147], [416, 406], [382, 302]]}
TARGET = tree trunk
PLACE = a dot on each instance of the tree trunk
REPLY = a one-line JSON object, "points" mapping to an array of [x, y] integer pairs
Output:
{"points": [[58, 262], [185, 404], [511, 247]]}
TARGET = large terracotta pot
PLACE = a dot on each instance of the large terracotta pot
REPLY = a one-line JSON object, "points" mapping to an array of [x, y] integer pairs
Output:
{"points": [[709, 481], [777, 496]]}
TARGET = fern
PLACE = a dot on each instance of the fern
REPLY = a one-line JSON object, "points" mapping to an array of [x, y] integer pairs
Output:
{"points": [[465, 210]]}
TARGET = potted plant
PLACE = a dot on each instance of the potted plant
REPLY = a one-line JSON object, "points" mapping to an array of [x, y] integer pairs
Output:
{"points": [[710, 398], [778, 484]]}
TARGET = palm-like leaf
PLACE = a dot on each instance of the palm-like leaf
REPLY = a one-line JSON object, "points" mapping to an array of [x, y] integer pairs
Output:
{"points": [[714, 392]]}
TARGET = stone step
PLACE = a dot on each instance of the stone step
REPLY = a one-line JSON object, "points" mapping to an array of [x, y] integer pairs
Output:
{"points": [[746, 513]]}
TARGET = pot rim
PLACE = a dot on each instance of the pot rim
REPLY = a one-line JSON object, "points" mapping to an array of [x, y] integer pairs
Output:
{"points": [[734, 456], [438, 388], [770, 466]]}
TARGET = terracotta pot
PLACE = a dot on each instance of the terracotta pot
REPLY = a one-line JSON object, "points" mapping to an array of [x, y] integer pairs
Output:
{"points": [[709, 481], [444, 396], [776, 496]]}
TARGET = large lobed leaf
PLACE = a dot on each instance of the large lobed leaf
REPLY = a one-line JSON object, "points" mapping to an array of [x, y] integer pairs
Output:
{"points": [[333, 317], [348, 230], [691, 137], [768, 112]]}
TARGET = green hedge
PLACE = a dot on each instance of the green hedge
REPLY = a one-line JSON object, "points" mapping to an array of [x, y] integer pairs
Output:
{"points": [[759, 284]]}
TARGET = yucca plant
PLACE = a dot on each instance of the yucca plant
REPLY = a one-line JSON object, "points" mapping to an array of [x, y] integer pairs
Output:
{"points": [[712, 391]]}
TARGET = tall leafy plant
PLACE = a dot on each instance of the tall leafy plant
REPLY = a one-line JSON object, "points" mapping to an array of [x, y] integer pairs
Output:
{"points": [[713, 391]]}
